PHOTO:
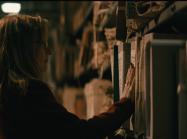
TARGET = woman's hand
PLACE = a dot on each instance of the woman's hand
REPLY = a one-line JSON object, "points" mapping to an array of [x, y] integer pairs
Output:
{"points": [[129, 89]]}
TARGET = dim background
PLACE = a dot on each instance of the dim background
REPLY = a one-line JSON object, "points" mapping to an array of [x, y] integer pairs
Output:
{"points": [[74, 73]]}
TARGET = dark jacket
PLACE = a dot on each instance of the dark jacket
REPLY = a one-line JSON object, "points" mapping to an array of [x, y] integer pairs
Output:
{"points": [[37, 115]]}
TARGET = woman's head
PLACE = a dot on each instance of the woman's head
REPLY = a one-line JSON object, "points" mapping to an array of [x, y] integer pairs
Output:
{"points": [[23, 46]]}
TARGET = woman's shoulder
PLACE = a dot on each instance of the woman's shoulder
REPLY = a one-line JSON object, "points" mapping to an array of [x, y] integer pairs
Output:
{"points": [[35, 85]]}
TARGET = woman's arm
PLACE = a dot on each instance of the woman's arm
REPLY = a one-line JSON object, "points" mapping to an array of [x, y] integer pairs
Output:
{"points": [[48, 111]]}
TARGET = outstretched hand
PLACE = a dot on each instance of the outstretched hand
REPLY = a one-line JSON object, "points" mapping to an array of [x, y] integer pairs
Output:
{"points": [[129, 89]]}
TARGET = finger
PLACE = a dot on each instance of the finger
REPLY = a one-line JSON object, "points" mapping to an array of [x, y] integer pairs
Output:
{"points": [[132, 90], [128, 75], [127, 81], [132, 79], [131, 75], [133, 83], [130, 71]]}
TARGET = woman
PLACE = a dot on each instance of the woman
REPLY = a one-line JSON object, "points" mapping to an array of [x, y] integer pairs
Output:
{"points": [[29, 109]]}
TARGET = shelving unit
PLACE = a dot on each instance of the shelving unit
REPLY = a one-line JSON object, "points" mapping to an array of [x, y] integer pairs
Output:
{"points": [[173, 15]]}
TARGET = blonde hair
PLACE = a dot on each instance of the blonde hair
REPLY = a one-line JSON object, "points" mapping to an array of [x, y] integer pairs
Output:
{"points": [[18, 34]]}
